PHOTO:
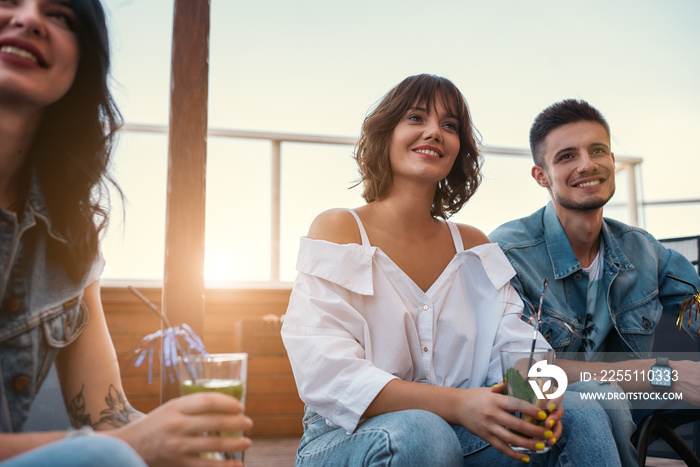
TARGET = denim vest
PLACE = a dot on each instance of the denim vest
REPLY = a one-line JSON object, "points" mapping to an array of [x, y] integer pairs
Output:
{"points": [[634, 279], [41, 308]]}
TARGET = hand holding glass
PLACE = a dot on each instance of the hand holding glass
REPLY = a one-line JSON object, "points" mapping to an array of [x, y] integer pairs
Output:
{"points": [[516, 364], [225, 373]]}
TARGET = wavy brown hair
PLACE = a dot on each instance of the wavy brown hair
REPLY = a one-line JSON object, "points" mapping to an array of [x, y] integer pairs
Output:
{"points": [[72, 148], [372, 149]]}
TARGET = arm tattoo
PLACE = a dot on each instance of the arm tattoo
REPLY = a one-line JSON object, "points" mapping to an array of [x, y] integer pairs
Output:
{"points": [[117, 413], [76, 410]]}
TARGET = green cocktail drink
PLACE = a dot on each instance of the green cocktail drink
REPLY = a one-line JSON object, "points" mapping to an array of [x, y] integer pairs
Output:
{"points": [[224, 373], [233, 387]]}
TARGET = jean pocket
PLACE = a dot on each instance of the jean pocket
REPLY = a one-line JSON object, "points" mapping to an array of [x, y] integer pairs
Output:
{"points": [[314, 427]]}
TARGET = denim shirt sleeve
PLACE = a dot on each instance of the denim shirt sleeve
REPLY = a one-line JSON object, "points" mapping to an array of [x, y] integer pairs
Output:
{"points": [[672, 293]]}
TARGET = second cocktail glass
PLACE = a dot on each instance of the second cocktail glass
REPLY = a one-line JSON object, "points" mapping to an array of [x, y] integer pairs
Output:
{"points": [[223, 372]]}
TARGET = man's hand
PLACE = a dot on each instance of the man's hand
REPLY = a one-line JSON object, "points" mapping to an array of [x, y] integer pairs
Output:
{"points": [[688, 381]]}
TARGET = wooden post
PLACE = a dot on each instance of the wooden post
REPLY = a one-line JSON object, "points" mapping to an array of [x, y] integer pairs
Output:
{"points": [[183, 281], [275, 209]]}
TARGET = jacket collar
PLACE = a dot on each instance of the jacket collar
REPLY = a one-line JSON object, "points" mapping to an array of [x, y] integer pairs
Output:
{"points": [[564, 261], [35, 208], [613, 252]]}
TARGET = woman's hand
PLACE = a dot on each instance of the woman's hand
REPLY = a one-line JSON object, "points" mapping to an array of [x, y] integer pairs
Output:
{"points": [[175, 433], [488, 414]]}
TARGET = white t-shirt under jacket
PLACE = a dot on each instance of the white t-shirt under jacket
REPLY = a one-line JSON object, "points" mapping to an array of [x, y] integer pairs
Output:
{"points": [[356, 321]]}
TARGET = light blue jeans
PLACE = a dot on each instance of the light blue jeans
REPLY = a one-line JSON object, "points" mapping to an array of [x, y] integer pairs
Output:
{"points": [[619, 413], [419, 438], [80, 451]]}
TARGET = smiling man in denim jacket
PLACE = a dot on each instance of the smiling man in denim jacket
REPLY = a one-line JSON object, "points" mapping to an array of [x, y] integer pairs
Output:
{"points": [[607, 283]]}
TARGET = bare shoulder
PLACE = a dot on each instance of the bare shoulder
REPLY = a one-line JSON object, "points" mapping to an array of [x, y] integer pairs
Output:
{"points": [[335, 225], [471, 236]]}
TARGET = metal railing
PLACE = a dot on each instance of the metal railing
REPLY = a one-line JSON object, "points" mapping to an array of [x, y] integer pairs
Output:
{"points": [[628, 164]]}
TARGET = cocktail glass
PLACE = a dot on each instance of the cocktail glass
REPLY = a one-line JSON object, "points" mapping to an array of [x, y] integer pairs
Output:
{"points": [[516, 365], [223, 372]]}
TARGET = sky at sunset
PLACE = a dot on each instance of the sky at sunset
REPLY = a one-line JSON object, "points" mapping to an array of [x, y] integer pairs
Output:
{"points": [[318, 66]]}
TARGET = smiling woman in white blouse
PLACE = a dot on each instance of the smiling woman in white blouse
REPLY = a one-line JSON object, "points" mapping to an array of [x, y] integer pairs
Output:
{"points": [[397, 316]]}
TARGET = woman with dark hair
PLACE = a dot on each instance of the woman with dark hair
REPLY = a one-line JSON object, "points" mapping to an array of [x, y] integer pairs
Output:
{"points": [[397, 316], [57, 127]]}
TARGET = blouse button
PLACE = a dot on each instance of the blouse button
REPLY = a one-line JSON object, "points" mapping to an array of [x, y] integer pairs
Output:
{"points": [[646, 324], [578, 276], [425, 307], [425, 349], [20, 383]]}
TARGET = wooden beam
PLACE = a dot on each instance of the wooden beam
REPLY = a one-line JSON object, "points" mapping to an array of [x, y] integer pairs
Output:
{"points": [[183, 286]]}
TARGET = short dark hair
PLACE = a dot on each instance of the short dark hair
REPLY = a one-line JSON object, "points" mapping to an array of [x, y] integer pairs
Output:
{"points": [[372, 150], [72, 148], [559, 114]]}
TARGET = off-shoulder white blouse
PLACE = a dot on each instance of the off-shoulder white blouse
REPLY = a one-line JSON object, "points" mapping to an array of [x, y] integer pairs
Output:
{"points": [[356, 321]]}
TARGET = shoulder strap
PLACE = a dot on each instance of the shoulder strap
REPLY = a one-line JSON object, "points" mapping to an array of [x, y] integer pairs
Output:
{"points": [[363, 234], [456, 236]]}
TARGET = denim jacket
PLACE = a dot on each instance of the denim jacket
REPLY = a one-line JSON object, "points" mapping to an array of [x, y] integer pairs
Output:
{"points": [[634, 280], [41, 308]]}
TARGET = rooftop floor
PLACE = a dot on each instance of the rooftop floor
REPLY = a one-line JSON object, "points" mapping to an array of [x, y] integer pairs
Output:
{"points": [[272, 452], [280, 452]]}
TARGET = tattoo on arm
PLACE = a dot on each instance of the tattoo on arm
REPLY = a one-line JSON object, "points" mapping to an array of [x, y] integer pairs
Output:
{"points": [[76, 410], [117, 413]]}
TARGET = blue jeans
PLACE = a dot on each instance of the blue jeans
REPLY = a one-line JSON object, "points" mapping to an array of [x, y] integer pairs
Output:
{"points": [[419, 438], [80, 451], [619, 413]]}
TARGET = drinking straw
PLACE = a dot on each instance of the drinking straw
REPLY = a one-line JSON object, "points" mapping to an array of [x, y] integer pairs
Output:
{"points": [[168, 357], [537, 324], [697, 292], [150, 304]]}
